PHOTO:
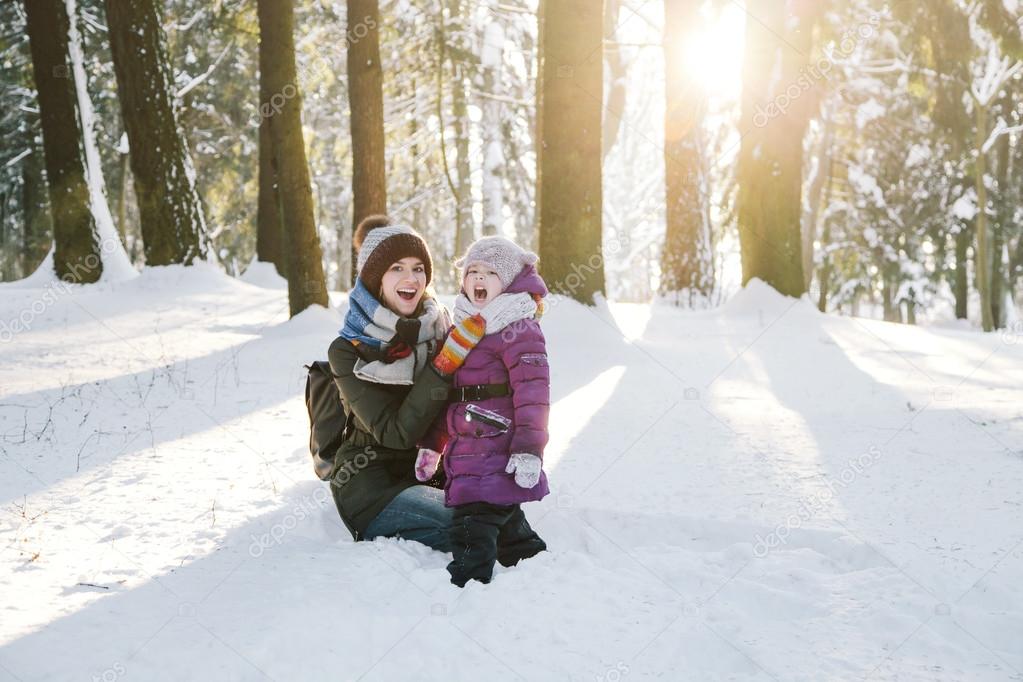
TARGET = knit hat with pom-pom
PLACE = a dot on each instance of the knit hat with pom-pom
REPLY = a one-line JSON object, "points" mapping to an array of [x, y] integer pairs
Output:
{"points": [[503, 255], [380, 244]]}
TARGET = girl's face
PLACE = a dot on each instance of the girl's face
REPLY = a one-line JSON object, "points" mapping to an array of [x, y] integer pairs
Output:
{"points": [[481, 285], [403, 285]]}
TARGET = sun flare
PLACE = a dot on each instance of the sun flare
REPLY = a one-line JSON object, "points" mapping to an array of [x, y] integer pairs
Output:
{"points": [[713, 53]]}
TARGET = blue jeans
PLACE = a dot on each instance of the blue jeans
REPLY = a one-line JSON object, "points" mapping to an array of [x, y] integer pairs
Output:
{"points": [[417, 513]]}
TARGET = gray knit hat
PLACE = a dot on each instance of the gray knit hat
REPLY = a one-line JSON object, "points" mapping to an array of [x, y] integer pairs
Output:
{"points": [[503, 255]]}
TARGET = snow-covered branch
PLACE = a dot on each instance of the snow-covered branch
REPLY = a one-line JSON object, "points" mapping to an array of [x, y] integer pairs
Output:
{"points": [[198, 80], [1000, 129]]}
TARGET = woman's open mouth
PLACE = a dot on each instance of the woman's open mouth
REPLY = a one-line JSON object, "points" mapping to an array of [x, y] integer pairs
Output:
{"points": [[407, 294], [479, 294]]}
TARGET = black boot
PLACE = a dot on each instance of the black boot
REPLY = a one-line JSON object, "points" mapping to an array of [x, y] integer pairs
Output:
{"points": [[474, 531], [517, 540]]}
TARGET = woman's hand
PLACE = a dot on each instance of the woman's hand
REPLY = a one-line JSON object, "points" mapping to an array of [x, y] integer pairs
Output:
{"points": [[462, 338]]}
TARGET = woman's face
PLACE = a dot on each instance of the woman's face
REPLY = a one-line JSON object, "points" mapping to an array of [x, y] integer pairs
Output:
{"points": [[481, 285], [403, 285]]}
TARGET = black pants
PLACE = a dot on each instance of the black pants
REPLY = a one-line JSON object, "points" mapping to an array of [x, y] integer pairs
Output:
{"points": [[482, 533]]}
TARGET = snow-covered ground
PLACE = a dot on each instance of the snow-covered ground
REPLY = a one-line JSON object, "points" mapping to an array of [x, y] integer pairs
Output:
{"points": [[757, 492]]}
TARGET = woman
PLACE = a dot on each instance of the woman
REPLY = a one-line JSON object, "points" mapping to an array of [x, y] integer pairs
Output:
{"points": [[392, 364]]}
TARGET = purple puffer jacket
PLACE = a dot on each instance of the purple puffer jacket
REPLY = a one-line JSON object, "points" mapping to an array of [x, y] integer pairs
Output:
{"points": [[476, 453]]}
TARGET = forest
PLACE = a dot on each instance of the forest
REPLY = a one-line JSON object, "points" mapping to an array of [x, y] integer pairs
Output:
{"points": [[736, 395], [865, 153]]}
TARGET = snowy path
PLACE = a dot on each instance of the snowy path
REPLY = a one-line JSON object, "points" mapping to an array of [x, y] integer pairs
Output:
{"points": [[754, 493]]}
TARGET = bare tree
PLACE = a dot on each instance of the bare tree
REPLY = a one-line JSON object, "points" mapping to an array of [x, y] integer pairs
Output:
{"points": [[366, 103], [170, 209], [269, 222], [570, 165], [306, 284], [76, 254], [687, 267], [770, 171]]}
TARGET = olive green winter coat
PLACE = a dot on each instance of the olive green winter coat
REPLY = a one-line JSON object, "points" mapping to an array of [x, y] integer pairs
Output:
{"points": [[377, 459]]}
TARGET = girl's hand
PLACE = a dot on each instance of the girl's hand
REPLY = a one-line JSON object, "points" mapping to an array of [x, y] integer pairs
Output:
{"points": [[526, 468], [426, 464]]}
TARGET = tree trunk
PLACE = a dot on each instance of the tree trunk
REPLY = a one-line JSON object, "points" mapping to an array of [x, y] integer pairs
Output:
{"points": [[306, 285], [815, 199], [538, 122], [1016, 264], [413, 135], [982, 254], [465, 222], [76, 256], [491, 111], [891, 308], [962, 289], [997, 275], [687, 269], [9, 268], [37, 233], [170, 209], [1000, 227], [686, 263], [122, 191], [454, 33], [614, 109], [770, 171], [366, 104], [269, 223], [824, 274], [570, 172]]}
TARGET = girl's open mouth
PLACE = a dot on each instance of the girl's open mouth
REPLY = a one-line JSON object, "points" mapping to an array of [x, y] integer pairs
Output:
{"points": [[407, 294], [479, 294]]}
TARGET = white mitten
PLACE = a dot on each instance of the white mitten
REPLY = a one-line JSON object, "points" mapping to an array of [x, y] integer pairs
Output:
{"points": [[426, 464], [508, 308], [526, 468]]}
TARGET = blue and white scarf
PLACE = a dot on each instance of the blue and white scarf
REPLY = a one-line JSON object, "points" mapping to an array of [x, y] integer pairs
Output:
{"points": [[374, 330]]}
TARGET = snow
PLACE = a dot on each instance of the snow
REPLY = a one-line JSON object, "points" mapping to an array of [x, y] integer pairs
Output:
{"points": [[758, 298], [492, 47], [755, 492], [918, 153], [264, 275], [866, 184], [867, 112], [965, 207]]}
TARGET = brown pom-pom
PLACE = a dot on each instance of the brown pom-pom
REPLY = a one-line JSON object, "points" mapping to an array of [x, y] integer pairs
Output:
{"points": [[368, 224]]}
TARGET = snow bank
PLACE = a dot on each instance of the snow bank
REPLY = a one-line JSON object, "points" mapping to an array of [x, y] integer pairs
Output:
{"points": [[760, 298], [261, 274]]}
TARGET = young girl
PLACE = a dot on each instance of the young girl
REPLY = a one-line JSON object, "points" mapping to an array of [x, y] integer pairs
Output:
{"points": [[493, 435]]}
